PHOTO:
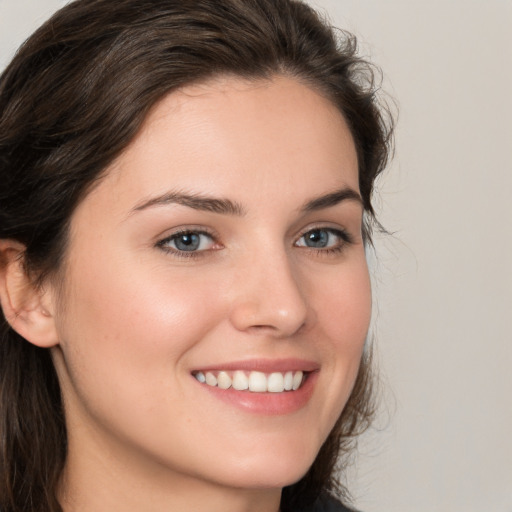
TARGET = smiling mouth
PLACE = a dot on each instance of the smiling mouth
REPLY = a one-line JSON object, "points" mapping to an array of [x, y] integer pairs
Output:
{"points": [[254, 381]]}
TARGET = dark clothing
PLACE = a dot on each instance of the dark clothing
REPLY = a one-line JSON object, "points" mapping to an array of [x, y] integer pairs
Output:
{"points": [[328, 504]]}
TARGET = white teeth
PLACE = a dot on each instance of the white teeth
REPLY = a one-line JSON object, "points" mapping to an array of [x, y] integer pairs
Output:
{"points": [[240, 381], [257, 382], [297, 380], [211, 380], [223, 380], [275, 383], [288, 381]]}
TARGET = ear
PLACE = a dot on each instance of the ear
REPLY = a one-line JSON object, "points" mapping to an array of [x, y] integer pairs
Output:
{"points": [[27, 308]]}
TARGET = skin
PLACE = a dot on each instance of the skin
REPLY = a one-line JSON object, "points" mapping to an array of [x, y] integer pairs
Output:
{"points": [[135, 318]]}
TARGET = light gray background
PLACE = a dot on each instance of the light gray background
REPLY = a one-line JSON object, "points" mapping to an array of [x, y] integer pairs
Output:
{"points": [[444, 282]]}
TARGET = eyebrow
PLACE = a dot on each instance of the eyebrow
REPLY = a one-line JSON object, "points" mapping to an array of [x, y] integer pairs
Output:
{"points": [[227, 207], [194, 201], [332, 199]]}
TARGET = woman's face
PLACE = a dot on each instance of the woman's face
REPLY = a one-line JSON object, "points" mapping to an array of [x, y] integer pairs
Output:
{"points": [[224, 244]]}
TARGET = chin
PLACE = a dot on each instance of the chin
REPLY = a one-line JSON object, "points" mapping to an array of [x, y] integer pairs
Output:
{"points": [[271, 478], [269, 468]]}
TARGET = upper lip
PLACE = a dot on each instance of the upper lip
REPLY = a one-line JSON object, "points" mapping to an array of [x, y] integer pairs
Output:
{"points": [[264, 365]]}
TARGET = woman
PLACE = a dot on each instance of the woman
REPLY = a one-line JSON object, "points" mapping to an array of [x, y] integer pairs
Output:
{"points": [[185, 202]]}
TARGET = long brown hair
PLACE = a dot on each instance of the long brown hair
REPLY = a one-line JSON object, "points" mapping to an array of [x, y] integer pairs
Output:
{"points": [[72, 100]]}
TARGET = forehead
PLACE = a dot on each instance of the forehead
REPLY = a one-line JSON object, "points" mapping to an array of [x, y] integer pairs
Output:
{"points": [[231, 136]]}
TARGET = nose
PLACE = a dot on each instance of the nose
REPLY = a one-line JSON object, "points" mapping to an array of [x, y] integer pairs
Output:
{"points": [[269, 297]]}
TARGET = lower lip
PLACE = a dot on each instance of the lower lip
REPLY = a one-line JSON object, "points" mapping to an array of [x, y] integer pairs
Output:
{"points": [[269, 404]]}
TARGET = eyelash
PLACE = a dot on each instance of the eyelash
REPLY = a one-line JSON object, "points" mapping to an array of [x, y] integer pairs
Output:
{"points": [[345, 239], [185, 254]]}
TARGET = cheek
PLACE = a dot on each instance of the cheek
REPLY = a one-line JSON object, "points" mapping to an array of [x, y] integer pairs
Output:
{"points": [[125, 345], [131, 323], [129, 298], [343, 305]]}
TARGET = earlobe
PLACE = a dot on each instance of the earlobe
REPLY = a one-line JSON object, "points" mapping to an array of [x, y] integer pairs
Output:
{"points": [[26, 307]]}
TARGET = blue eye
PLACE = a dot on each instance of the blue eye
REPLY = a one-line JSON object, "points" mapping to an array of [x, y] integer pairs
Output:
{"points": [[323, 238], [188, 241]]}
